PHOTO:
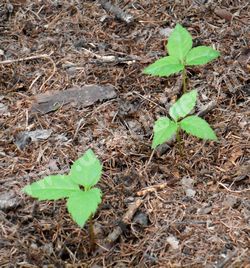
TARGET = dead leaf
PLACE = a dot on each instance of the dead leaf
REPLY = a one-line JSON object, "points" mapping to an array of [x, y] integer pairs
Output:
{"points": [[82, 96]]}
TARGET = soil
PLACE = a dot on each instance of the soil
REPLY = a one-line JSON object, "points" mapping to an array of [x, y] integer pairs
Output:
{"points": [[164, 209]]}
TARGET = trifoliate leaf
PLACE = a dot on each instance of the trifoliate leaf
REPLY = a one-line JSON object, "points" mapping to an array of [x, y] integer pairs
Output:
{"points": [[51, 188], [183, 106], [198, 127], [179, 43], [82, 204], [164, 67], [201, 55], [86, 170], [164, 129]]}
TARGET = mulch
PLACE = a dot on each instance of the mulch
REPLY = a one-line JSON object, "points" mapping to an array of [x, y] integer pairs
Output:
{"points": [[162, 210]]}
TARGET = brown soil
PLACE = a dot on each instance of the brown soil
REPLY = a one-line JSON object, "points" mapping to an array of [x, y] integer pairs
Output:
{"points": [[66, 41]]}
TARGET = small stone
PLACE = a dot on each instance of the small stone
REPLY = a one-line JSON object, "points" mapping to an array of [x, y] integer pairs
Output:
{"points": [[141, 218], [173, 242], [206, 209], [71, 70], [230, 201], [9, 200]]}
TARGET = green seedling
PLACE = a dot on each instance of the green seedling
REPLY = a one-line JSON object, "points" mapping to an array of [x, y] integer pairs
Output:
{"points": [[81, 204], [165, 128], [181, 55]]}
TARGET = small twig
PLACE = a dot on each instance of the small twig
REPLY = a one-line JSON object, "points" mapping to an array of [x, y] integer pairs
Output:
{"points": [[78, 128], [111, 59], [149, 161], [112, 237], [131, 211], [152, 189], [207, 108], [118, 12], [232, 191], [42, 56]]}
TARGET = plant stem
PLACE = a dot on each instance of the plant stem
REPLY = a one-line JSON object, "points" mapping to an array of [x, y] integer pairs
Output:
{"points": [[91, 234], [178, 138], [184, 80]]}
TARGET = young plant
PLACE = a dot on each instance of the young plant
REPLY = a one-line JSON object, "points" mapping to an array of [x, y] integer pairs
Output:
{"points": [[165, 128], [181, 54], [81, 204]]}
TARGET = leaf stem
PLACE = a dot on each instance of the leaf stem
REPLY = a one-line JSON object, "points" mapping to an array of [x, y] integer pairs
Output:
{"points": [[91, 234], [184, 80]]}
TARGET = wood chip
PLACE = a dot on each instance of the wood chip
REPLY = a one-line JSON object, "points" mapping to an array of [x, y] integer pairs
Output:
{"points": [[81, 96], [223, 13]]}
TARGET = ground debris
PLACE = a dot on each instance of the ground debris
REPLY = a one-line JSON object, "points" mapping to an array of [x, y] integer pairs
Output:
{"points": [[9, 200], [26, 137], [223, 13], [81, 96], [187, 184], [173, 242], [52, 46], [118, 12]]}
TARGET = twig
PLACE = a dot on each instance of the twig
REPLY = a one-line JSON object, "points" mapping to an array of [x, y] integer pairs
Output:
{"points": [[118, 12], [149, 161], [112, 59], [112, 237], [232, 191], [42, 56], [151, 189], [207, 108], [131, 211]]}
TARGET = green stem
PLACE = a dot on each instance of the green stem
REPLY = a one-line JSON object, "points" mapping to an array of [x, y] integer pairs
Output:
{"points": [[184, 80], [91, 234]]}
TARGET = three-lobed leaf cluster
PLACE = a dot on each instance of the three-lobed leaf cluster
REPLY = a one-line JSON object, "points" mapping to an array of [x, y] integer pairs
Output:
{"points": [[181, 54], [81, 204], [165, 128]]}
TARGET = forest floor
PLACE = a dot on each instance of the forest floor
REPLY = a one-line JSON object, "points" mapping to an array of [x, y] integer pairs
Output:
{"points": [[160, 210]]}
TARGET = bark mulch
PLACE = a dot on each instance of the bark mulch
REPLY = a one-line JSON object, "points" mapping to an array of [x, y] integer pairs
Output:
{"points": [[160, 210]]}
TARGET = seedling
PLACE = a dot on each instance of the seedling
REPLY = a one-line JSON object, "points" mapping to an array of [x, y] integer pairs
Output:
{"points": [[181, 55], [165, 128], [81, 204]]}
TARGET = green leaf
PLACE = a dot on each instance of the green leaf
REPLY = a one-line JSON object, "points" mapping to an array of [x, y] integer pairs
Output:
{"points": [[183, 106], [82, 204], [164, 129], [86, 170], [164, 67], [51, 188], [201, 55], [179, 43], [198, 127]]}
